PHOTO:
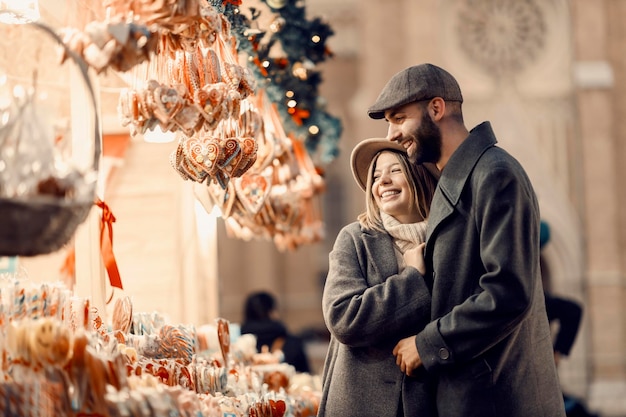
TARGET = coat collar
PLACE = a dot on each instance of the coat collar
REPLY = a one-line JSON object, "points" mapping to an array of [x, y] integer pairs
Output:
{"points": [[462, 161]]}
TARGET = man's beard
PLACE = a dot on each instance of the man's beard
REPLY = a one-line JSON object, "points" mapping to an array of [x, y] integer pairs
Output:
{"points": [[428, 138]]}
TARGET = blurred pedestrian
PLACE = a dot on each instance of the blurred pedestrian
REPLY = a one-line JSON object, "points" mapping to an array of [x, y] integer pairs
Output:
{"points": [[262, 319]]}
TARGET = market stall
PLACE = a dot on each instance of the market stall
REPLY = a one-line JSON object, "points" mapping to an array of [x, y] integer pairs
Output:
{"points": [[251, 137]]}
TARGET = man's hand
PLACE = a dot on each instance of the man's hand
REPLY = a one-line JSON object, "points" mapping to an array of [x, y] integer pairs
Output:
{"points": [[407, 356]]}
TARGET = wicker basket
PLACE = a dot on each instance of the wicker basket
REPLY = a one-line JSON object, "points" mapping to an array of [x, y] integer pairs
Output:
{"points": [[42, 224]]}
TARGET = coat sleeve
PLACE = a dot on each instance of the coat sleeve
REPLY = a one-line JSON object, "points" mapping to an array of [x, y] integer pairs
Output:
{"points": [[495, 263], [363, 309]]}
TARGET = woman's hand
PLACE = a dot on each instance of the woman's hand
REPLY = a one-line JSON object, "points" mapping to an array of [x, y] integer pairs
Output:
{"points": [[415, 258]]}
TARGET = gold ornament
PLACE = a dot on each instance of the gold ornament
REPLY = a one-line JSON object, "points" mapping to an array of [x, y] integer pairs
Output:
{"points": [[300, 71], [276, 4]]}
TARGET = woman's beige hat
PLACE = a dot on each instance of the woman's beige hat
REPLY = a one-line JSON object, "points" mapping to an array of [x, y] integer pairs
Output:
{"points": [[364, 152]]}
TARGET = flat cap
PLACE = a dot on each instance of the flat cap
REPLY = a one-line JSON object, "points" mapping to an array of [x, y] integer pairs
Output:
{"points": [[416, 83]]}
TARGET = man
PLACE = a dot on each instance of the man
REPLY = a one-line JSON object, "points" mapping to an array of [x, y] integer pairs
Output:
{"points": [[489, 342]]}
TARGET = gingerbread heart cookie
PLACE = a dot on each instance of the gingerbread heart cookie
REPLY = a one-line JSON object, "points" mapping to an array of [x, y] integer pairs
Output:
{"points": [[252, 191]]}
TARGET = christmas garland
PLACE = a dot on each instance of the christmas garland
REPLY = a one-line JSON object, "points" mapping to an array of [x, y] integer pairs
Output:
{"points": [[291, 80]]}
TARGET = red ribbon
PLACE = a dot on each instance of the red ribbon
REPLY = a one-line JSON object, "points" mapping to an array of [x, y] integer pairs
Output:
{"points": [[233, 2], [106, 245], [68, 268]]}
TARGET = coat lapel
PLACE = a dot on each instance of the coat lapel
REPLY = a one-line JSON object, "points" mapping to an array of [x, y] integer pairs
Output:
{"points": [[455, 175]]}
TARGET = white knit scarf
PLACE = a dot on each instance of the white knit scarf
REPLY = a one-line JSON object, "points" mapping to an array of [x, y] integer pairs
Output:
{"points": [[405, 235]]}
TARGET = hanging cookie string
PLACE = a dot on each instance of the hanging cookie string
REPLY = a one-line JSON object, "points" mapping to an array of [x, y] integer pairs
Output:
{"points": [[277, 199], [203, 86]]}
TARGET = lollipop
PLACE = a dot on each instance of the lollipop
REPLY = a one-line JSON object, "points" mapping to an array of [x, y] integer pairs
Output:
{"points": [[176, 343], [122, 314]]}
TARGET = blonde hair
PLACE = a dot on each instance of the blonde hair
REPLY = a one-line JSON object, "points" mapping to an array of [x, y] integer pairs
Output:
{"points": [[422, 186]]}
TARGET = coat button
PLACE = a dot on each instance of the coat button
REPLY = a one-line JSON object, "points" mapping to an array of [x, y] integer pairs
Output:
{"points": [[444, 353]]}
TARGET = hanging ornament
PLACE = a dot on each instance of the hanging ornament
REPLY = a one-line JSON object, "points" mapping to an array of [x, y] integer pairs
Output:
{"points": [[276, 4], [299, 71]]}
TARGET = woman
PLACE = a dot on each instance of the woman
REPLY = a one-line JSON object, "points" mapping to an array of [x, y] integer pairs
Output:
{"points": [[374, 294]]}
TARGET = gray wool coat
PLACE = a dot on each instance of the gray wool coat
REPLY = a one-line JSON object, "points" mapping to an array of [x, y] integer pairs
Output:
{"points": [[368, 306], [489, 343]]}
